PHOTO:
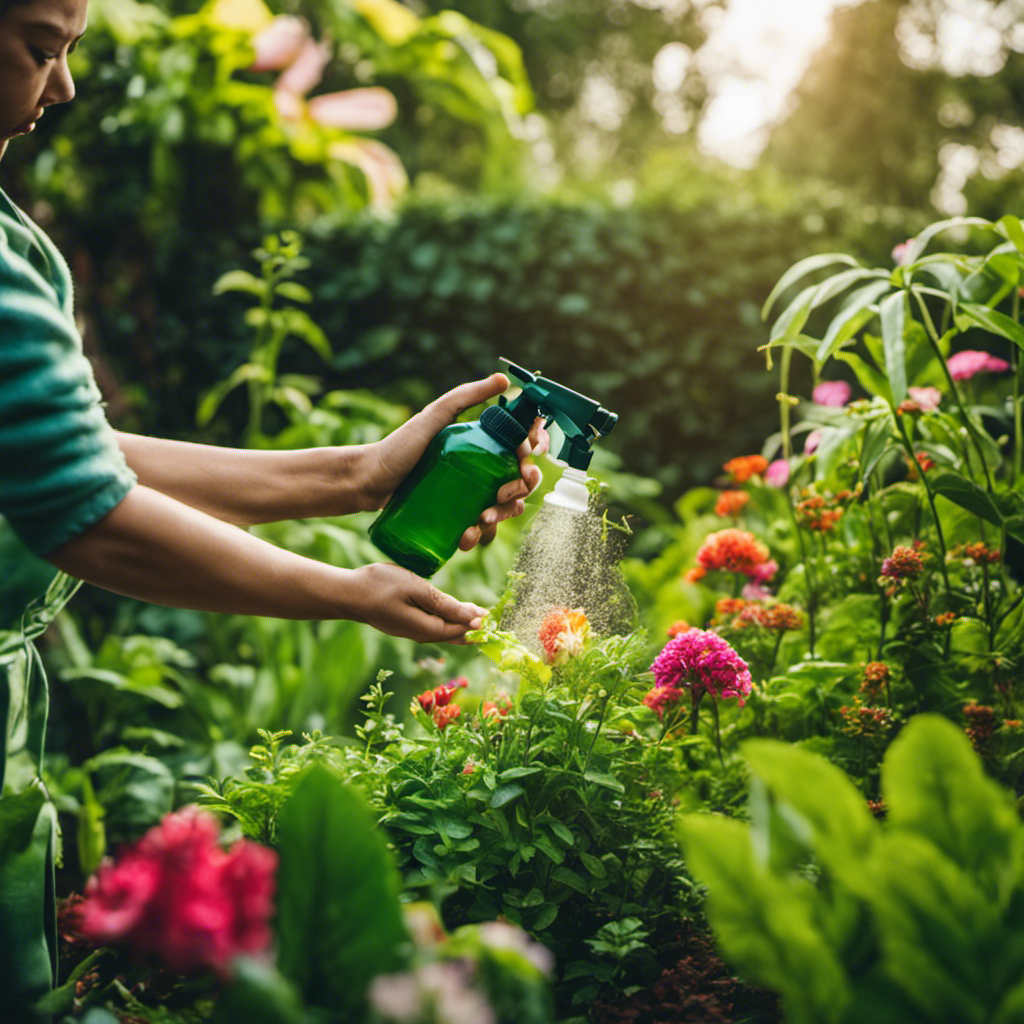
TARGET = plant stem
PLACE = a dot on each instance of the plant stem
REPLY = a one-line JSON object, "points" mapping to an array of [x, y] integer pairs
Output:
{"points": [[931, 501], [933, 339]]}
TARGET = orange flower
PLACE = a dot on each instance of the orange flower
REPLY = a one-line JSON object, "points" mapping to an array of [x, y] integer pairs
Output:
{"points": [[743, 467], [443, 717], [731, 503], [731, 551], [679, 626], [562, 634], [496, 709]]}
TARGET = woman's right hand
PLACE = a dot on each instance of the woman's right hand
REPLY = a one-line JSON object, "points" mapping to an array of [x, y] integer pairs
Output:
{"points": [[400, 603]]}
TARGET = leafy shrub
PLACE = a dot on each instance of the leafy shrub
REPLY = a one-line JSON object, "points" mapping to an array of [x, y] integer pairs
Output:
{"points": [[913, 919]]}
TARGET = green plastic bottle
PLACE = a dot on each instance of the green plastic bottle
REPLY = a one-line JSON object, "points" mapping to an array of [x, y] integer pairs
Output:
{"points": [[456, 478]]}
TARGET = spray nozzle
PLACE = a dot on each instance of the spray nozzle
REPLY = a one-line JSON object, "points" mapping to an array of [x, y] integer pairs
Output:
{"points": [[580, 419]]}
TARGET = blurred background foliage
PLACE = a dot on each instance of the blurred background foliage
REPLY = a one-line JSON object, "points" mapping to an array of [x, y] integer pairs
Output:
{"points": [[535, 189]]}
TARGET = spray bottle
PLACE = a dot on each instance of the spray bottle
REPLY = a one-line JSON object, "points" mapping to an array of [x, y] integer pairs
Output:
{"points": [[460, 472]]}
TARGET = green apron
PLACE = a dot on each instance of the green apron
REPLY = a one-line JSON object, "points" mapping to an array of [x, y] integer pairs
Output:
{"points": [[28, 820]]}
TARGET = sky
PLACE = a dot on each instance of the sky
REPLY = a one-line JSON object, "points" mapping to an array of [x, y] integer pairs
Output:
{"points": [[757, 52]]}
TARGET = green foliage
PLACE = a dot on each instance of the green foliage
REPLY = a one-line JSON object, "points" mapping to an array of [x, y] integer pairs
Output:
{"points": [[338, 918], [911, 920]]}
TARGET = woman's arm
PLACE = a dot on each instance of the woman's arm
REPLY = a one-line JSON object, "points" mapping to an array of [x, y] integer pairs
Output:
{"points": [[157, 549], [248, 486]]}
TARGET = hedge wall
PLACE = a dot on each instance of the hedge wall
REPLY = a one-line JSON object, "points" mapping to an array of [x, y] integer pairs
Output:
{"points": [[653, 310]]}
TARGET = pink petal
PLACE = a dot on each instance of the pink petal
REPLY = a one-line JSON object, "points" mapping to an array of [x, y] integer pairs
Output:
{"points": [[279, 43], [384, 172], [354, 110], [289, 105], [306, 70], [927, 398], [835, 393]]}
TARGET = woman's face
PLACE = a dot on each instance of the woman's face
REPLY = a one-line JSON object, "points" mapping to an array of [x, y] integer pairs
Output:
{"points": [[35, 39]]}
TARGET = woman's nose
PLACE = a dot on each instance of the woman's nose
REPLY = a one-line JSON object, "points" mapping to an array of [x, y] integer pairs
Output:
{"points": [[60, 88]]}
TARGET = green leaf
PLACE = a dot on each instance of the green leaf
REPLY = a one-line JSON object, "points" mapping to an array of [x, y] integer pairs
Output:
{"points": [[966, 494], [935, 786], [934, 927], [339, 921], [766, 926], [605, 780], [869, 378], [594, 865], [506, 794], [562, 832], [801, 270], [822, 807], [793, 317], [854, 315], [892, 313], [992, 321], [918, 244], [239, 281], [19, 812], [258, 994], [566, 876], [517, 773], [1011, 227], [545, 917]]}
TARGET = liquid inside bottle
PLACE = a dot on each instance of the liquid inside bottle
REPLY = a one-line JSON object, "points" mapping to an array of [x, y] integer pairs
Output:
{"points": [[457, 477]]}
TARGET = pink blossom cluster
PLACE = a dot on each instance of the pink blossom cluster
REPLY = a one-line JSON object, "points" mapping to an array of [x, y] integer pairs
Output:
{"points": [[699, 661], [178, 895], [966, 364], [834, 393]]}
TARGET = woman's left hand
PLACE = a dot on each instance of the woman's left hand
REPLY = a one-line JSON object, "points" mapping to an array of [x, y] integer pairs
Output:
{"points": [[393, 458]]}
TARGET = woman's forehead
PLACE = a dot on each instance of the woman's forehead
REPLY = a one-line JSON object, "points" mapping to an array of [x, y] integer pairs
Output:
{"points": [[66, 17]]}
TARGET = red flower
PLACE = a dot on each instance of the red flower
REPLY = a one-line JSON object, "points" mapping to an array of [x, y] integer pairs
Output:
{"points": [[177, 895], [441, 696], [444, 716], [496, 709]]}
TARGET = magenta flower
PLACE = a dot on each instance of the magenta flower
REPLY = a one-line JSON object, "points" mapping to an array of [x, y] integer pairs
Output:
{"points": [[777, 473], [964, 365], [178, 895], [702, 662], [835, 393]]}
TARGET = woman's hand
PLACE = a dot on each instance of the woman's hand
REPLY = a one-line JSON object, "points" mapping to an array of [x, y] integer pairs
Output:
{"points": [[400, 603], [393, 458]]}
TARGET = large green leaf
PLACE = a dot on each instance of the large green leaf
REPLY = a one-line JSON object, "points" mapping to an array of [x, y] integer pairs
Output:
{"points": [[820, 804], [893, 314], [856, 312], [935, 785], [338, 920], [765, 925], [933, 924], [801, 270], [918, 244], [966, 494], [992, 321]]}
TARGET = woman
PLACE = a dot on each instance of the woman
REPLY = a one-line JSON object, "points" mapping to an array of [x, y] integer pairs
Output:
{"points": [[153, 519]]}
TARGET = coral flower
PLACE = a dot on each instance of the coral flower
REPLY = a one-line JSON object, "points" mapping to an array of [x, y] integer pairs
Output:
{"points": [[444, 716], [702, 662], [743, 467], [496, 708], [677, 627], [905, 563], [732, 550], [731, 503], [178, 895], [563, 633], [966, 364], [835, 393]]}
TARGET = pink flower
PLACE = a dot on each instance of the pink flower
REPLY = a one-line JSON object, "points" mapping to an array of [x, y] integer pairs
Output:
{"points": [[178, 895], [279, 43], [964, 365], [702, 662], [764, 572], [812, 441], [835, 393], [901, 251], [755, 592], [926, 399], [777, 473]]}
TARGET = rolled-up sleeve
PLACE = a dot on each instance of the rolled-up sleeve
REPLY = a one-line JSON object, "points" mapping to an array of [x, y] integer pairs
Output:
{"points": [[61, 469]]}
